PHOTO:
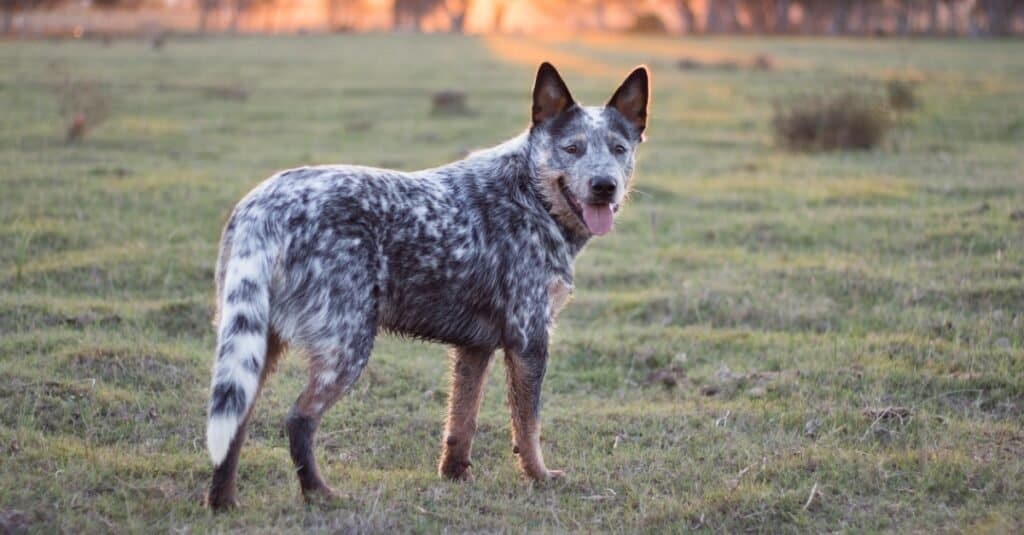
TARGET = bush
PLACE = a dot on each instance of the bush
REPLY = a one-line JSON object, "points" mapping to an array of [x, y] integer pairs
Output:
{"points": [[836, 122], [902, 95], [83, 105], [648, 23]]}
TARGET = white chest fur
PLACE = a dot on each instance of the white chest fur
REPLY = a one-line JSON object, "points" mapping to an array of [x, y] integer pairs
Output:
{"points": [[559, 293]]}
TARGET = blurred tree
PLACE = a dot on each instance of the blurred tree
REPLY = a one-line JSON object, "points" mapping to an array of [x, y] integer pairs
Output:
{"points": [[205, 8], [116, 4], [687, 18], [720, 16], [840, 17], [781, 24], [12, 7], [998, 15], [342, 14], [409, 14], [498, 20], [457, 10], [903, 17], [239, 8]]}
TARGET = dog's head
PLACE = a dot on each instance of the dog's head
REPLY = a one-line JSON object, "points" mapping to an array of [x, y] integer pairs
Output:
{"points": [[583, 156]]}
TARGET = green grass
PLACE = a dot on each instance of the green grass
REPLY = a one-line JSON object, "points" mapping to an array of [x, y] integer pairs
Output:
{"points": [[799, 289]]}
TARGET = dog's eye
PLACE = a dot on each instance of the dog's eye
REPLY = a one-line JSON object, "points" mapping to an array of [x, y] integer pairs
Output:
{"points": [[572, 149], [620, 149]]}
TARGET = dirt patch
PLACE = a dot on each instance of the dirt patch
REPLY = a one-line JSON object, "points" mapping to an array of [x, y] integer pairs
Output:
{"points": [[14, 522], [900, 414], [54, 406], [760, 62], [450, 103], [728, 383], [668, 377], [228, 91]]}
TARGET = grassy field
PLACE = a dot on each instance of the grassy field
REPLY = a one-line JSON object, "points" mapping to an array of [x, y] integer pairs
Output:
{"points": [[723, 367]]}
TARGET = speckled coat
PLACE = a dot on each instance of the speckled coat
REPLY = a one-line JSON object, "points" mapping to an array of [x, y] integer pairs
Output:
{"points": [[477, 254]]}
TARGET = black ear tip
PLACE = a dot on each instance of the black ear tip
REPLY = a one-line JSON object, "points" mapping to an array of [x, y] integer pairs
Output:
{"points": [[641, 72], [546, 69]]}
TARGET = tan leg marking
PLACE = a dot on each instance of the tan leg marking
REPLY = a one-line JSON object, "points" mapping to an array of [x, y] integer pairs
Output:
{"points": [[523, 397], [468, 373]]}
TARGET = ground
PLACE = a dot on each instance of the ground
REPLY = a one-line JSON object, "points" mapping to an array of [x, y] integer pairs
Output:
{"points": [[727, 362]]}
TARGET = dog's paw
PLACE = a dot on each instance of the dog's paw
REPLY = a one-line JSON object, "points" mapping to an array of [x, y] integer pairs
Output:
{"points": [[555, 474], [323, 495], [221, 500], [456, 470], [546, 475], [220, 504], [463, 475]]}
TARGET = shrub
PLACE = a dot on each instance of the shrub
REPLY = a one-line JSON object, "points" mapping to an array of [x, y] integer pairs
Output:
{"points": [[83, 105], [449, 102], [832, 122], [648, 23], [902, 95]]}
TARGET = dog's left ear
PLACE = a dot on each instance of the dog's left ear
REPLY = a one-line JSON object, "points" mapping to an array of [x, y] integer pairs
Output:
{"points": [[632, 97]]}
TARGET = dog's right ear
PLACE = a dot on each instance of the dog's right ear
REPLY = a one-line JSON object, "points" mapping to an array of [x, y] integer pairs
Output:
{"points": [[550, 94]]}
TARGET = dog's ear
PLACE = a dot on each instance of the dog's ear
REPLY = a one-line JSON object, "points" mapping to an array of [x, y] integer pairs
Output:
{"points": [[632, 97], [550, 94]]}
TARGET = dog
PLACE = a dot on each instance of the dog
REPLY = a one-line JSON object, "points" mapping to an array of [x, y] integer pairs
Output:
{"points": [[477, 254]]}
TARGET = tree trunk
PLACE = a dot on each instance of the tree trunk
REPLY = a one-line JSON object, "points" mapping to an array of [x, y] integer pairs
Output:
{"points": [[8, 21], [721, 16], [204, 15], [865, 17], [758, 16], [812, 10], [997, 16], [903, 19], [731, 20], [457, 17], [711, 20], [687, 18], [599, 16], [499, 17], [933, 17], [396, 15], [237, 7], [782, 16], [330, 13], [457, 22], [840, 18]]}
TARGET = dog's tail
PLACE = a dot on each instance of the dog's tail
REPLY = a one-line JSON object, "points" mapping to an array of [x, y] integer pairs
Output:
{"points": [[244, 274]]}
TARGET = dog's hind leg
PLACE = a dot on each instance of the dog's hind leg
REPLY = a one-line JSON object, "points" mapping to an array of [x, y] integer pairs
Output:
{"points": [[334, 367], [223, 491], [469, 372]]}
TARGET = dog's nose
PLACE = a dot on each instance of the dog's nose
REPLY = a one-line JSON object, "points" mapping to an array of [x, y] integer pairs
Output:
{"points": [[602, 188]]}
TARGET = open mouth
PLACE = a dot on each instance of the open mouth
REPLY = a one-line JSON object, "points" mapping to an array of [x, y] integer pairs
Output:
{"points": [[597, 217]]}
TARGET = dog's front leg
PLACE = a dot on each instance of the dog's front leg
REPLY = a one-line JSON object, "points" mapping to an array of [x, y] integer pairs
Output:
{"points": [[524, 370], [469, 372]]}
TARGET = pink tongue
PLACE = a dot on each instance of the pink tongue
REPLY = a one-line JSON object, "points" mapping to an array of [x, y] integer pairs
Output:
{"points": [[598, 218]]}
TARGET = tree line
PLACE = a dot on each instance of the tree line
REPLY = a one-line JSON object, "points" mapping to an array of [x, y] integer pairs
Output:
{"points": [[841, 17], [810, 17]]}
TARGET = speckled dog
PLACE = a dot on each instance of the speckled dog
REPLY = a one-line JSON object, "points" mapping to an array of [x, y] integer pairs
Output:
{"points": [[477, 254]]}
